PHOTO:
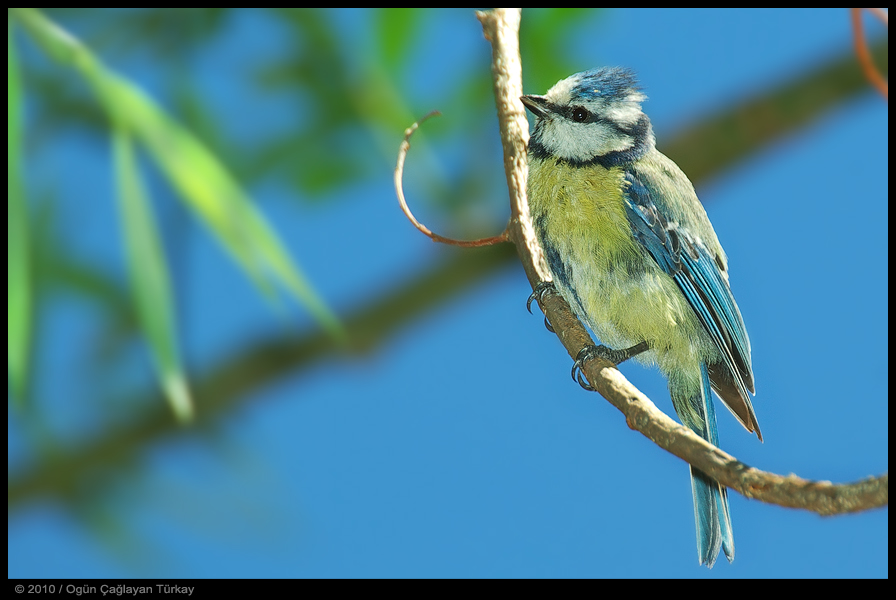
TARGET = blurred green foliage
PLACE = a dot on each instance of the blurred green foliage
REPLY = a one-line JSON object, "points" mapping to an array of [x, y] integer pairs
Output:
{"points": [[18, 271]]}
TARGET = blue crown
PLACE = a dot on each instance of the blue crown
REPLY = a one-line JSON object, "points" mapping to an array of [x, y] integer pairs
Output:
{"points": [[606, 82]]}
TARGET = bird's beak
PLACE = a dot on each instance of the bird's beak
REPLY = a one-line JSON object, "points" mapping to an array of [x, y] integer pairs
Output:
{"points": [[537, 104]]}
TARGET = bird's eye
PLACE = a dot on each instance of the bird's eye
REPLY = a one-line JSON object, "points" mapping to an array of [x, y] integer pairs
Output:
{"points": [[579, 114]]}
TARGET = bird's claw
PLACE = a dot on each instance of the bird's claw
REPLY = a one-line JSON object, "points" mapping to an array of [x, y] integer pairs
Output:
{"points": [[538, 294], [585, 354], [616, 357]]}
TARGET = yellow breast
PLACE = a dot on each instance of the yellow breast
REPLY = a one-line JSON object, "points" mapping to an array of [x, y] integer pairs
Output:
{"points": [[581, 206], [609, 280]]}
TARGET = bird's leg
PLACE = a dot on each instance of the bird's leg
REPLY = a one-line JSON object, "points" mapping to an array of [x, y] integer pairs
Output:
{"points": [[545, 287], [617, 357]]}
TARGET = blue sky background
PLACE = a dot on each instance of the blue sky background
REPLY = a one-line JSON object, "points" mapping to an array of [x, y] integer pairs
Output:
{"points": [[462, 448]]}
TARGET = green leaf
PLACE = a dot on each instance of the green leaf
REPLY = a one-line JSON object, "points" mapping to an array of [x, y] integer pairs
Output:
{"points": [[19, 277], [202, 181], [213, 194], [149, 276]]}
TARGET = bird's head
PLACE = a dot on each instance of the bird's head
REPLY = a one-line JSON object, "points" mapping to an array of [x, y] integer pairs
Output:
{"points": [[591, 117]]}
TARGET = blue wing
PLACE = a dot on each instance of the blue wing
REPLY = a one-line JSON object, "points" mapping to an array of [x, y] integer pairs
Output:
{"points": [[699, 277]]}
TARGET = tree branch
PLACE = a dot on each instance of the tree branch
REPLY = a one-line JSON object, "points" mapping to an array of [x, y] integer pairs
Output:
{"points": [[501, 28]]}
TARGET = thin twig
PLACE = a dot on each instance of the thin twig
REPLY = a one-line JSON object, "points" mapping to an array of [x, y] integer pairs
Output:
{"points": [[399, 191], [501, 28], [862, 52]]}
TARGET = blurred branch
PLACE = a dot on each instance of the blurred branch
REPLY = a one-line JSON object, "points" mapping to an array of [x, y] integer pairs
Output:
{"points": [[726, 138], [703, 150], [235, 379], [501, 27]]}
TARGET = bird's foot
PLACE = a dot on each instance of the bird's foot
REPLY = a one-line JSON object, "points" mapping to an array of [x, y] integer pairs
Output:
{"points": [[543, 288], [617, 357]]}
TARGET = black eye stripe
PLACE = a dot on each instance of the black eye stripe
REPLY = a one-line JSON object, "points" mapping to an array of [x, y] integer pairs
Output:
{"points": [[573, 113], [569, 113]]}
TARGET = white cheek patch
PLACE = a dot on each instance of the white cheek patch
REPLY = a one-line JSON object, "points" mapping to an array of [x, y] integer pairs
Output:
{"points": [[582, 142]]}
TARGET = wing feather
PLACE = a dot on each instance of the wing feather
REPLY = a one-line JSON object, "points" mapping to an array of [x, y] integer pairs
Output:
{"points": [[682, 255]]}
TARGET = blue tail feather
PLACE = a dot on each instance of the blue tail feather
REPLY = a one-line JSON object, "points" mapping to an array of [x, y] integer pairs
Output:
{"points": [[711, 511]]}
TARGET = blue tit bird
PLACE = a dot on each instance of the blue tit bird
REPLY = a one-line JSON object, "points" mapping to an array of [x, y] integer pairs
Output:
{"points": [[630, 248]]}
